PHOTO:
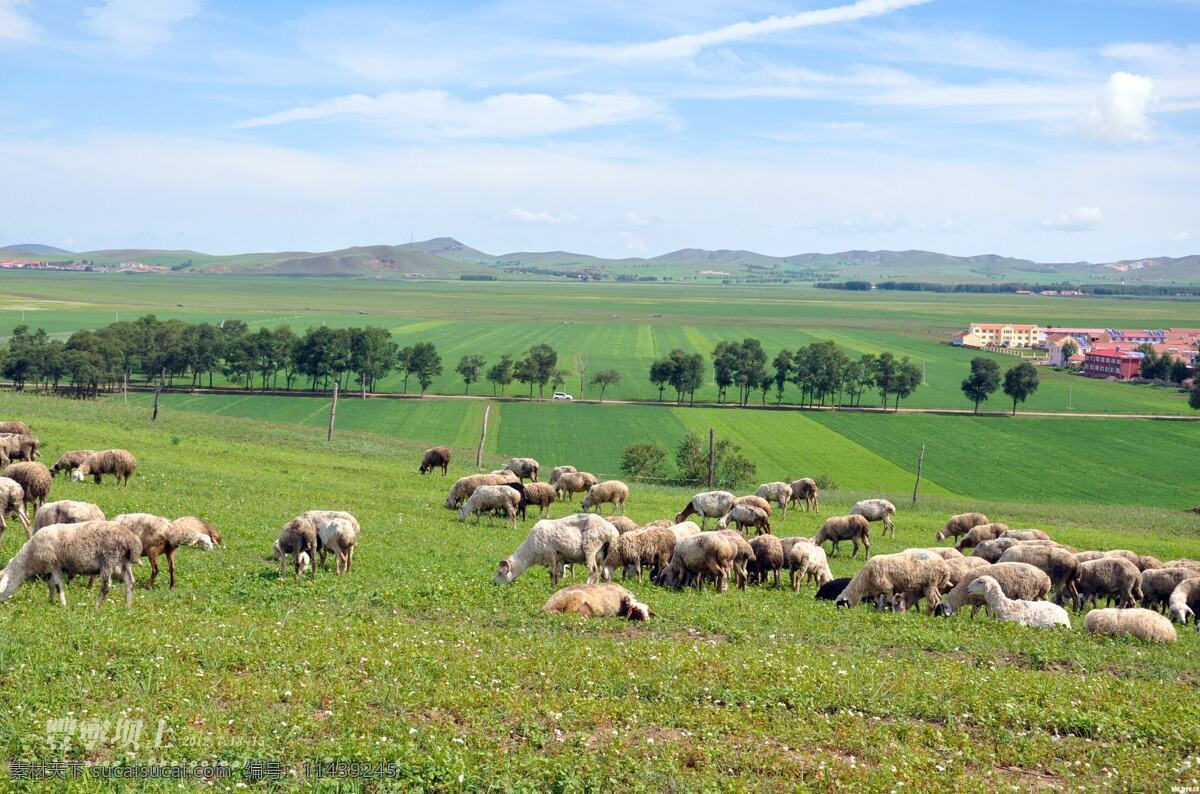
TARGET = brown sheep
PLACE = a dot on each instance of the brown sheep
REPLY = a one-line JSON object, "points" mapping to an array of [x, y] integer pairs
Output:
{"points": [[977, 535], [12, 426], [1058, 563], [465, 486], [853, 528], [574, 482], [1158, 583], [299, 539], [68, 462], [1142, 561], [743, 556], [625, 524], [17, 446], [806, 489], [116, 462], [641, 548], [66, 511], [524, 468], [754, 500], [1109, 576], [160, 535], [961, 524], [34, 479], [614, 492], [768, 558], [435, 458], [710, 553], [1017, 579]]}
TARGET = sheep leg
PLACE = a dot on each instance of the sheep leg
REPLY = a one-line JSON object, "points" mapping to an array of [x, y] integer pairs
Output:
{"points": [[171, 566], [282, 566], [127, 575], [56, 587], [153, 557], [105, 586], [24, 522]]}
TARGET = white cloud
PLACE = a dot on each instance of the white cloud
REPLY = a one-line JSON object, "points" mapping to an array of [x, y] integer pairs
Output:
{"points": [[1080, 219], [439, 114], [1119, 114], [636, 220], [550, 218], [631, 242], [1179, 237], [137, 25], [14, 25]]}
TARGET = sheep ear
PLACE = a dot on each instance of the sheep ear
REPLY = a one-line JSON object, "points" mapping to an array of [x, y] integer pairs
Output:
{"points": [[651, 612], [504, 566]]}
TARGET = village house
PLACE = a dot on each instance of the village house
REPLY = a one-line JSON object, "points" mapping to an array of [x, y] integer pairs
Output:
{"points": [[998, 335], [1112, 362]]}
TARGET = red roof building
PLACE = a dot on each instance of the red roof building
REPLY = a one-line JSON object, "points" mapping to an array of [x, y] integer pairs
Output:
{"points": [[1112, 362]]}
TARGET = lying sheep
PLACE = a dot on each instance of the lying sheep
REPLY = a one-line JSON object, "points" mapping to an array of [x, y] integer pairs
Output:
{"points": [[559, 471], [1113, 577], [580, 538], [34, 479], [853, 528], [707, 504], [68, 462], [159, 535], [707, 553], [462, 489], [778, 492], [1018, 580], [1025, 534], [1184, 602], [17, 446], [877, 510], [961, 524], [1159, 583], [339, 536], [754, 501], [93, 548], [612, 492], [574, 482], [993, 550], [1138, 622], [743, 556], [524, 468], [1059, 564], [598, 601], [299, 539], [976, 535], [908, 573], [806, 489], [435, 458], [1142, 561], [1035, 614], [66, 511], [768, 558], [12, 503], [744, 516], [650, 548], [117, 462], [15, 427], [489, 498]]}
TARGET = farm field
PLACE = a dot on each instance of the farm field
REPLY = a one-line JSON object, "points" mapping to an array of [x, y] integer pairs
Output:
{"points": [[621, 327], [418, 659]]}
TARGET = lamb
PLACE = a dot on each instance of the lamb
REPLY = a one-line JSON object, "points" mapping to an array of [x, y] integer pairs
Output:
{"points": [[34, 479], [626, 524], [833, 588], [158, 535], [755, 501], [1141, 623], [340, 536], [12, 503], [17, 446], [709, 553], [768, 558], [1159, 583], [487, 498], [613, 492], [976, 535], [435, 458], [806, 488], [116, 462], [299, 539], [599, 601], [574, 482], [707, 504], [524, 468], [744, 516], [1035, 614], [778, 492], [852, 528], [1059, 564], [93, 548], [993, 550], [1142, 561], [582, 537], [465, 486], [642, 547], [877, 510], [66, 511], [15, 427], [559, 471], [1109, 576], [68, 462], [1018, 580], [806, 561], [961, 524], [1184, 602], [890, 575]]}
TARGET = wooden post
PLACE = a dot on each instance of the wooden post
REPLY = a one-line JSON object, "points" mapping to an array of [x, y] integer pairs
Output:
{"points": [[157, 392], [920, 465], [711, 455], [332, 412], [482, 437], [125, 387]]}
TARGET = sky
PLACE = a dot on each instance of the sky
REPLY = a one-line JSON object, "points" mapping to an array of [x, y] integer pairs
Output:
{"points": [[1055, 130]]}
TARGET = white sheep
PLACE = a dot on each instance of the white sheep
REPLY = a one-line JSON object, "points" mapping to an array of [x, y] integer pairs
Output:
{"points": [[877, 510], [915, 573], [744, 516], [93, 548], [1137, 622], [487, 498], [12, 503], [1035, 614], [613, 492], [778, 492], [707, 504], [524, 468], [582, 537], [66, 511], [1185, 601], [340, 536]]}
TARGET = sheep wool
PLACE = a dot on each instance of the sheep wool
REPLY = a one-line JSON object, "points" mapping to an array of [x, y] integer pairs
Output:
{"points": [[1141, 623]]}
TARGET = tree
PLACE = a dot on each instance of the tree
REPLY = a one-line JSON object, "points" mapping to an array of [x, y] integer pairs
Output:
{"points": [[1179, 371], [581, 365], [426, 364], [730, 467], [558, 378], [1194, 395], [501, 373], [404, 364], [908, 378], [526, 372], [725, 366], [1154, 366], [751, 368], [542, 363], [689, 375], [605, 378], [373, 354], [983, 380], [1020, 382], [783, 371], [643, 461], [662, 372], [470, 367], [887, 375]]}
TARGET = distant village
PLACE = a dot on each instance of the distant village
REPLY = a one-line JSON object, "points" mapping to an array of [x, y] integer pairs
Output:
{"points": [[1098, 352], [80, 266]]}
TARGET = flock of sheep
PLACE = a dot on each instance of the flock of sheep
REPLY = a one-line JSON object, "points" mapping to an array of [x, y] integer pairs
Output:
{"points": [[1009, 572]]}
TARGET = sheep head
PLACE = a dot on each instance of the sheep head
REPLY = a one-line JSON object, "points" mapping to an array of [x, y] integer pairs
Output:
{"points": [[504, 574], [633, 609], [1179, 613], [78, 475]]}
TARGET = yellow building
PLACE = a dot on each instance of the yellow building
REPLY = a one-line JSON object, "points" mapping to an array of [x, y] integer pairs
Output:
{"points": [[1005, 335]]}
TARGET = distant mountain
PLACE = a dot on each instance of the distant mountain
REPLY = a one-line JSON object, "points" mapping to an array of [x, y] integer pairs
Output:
{"points": [[449, 248], [33, 249]]}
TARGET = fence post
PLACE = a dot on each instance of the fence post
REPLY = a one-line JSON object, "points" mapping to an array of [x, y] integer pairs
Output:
{"points": [[157, 392], [710, 457], [920, 465], [332, 412]]}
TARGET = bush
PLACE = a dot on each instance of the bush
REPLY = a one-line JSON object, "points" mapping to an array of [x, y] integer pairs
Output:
{"points": [[730, 467], [643, 461], [825, 482]]}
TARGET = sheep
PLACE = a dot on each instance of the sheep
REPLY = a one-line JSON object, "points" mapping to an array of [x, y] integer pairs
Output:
{"points": [[1034, 614], [1109, 576], [93, 548], [778, 492], [755, 501], [505, 476], [977, 535], [599, 601], [12, 503], [68, 462], [852, 528], [744, 516], [1183, 563], [524, 468], [487, 498], [806, 488], [298, 538], [707, 504], [1088, 556], [709, 553], [574, 482], [15, 427], [626, 524], [993, 550], [17, 446], [435, 458], [1142, 561], [877, 510], [1018, 580], [788, 543], [1141, 623], [682, 530], [768, 558], [159, 535], [833, 588], [465, 486], [34, 479], [806, 561], [642, 547], [1024, 534], [66, 511], [959, 567], [1159, 583], [1184, 602], [340, 536], [888, 575], [947, 553], [320, 518], [960, 525], [540, 494], [116, 462], [1059, 564], [613, 492], [582, 537], [559, 471]]}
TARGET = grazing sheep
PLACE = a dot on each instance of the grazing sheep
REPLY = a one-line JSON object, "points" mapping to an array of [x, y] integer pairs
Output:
{"points": [[768, 558], [1142, 561], [435, 458], [1024, 534], [626, 524], [682, 530], [977, 535], [806, 489], [960, 566], [1159, 583], [744, 516], [34, 479], [93, 548], [14, 427], [907, 574], [1139, 622], [582, 537], [1059, 564], [159, 535], [613, 492], [540, 494], [755, 501], [487, 498], [792, 541], [642, 547], [877, 510], [465, 486], [574, 482], [808, 562], [947, 553], [710, 553], [559, 471], [340, 536], [707, 504], [833, 588], [299, 539], [961, 524], [1088, 556], [505, 475], [778, 492], [853, 528], [66, 511], [1018, 580], [1035, 614], [524, 468], [17, 446], [1184, 602], [68, 462], [12, 503], [993, 550], [1108, 576], [743, 556], [598, 601], [1183, 563], [116, 462]]}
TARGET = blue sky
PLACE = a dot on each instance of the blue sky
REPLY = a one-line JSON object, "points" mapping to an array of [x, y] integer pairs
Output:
{"points": [[1056, 130]]}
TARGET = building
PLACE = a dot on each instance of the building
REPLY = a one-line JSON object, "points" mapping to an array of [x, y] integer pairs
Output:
{"points": [[1054, 350], [1112, 362], [966, 339], [1004, 335]]}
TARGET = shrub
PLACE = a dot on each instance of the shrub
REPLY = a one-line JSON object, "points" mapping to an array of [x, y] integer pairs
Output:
{"points": [[643, 461], [825, 482]]}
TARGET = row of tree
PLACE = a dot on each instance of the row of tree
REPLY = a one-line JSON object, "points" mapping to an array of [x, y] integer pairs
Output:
{"points": [[1020, 381]]}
